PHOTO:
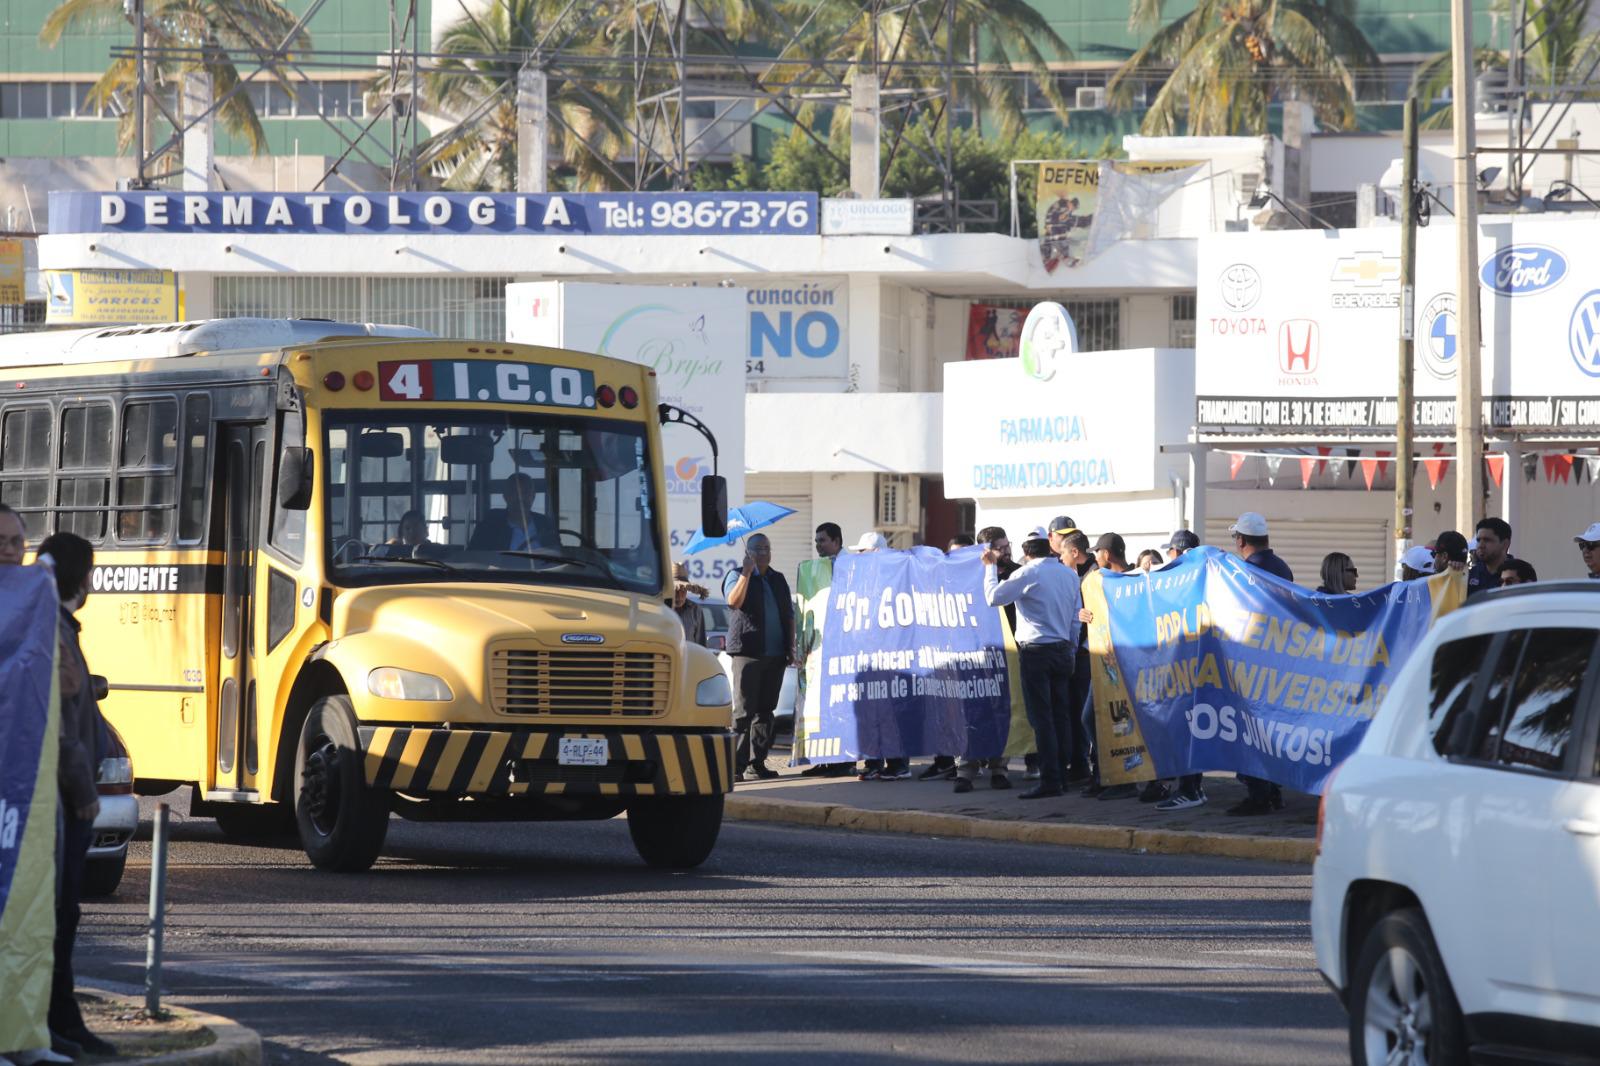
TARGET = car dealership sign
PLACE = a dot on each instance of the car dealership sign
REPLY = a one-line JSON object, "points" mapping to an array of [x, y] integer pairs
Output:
{"points": [[1297, 333]]}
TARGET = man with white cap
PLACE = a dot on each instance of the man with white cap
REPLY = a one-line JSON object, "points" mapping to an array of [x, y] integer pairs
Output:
{"points": [[1250, 539], [1416, 562], [871, 541], [1589, 544]]}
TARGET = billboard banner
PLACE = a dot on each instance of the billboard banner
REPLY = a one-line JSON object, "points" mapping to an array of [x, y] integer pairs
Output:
{"points": [[1012, 432], [110, 297], [1065, 198], [28, 798], [694, 339], [799, 329], [1227, 667], [913, 660], [625, 214], [12, 272], [994, 332], [1297, 333]]}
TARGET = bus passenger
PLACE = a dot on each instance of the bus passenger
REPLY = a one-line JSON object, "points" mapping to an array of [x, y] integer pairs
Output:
{"points": [[411, 531], [520, 527]]}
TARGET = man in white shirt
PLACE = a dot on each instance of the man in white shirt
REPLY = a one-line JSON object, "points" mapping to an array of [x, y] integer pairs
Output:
{"points": [[1047, 600]]}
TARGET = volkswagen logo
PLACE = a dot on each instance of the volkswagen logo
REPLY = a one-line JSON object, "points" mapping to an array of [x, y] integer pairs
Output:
{"points": [[1241, 286], [1583, 333], [1523, 269]]}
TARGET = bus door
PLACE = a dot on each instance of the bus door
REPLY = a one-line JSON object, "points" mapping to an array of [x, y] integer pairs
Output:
{"points": [[244, 473]]}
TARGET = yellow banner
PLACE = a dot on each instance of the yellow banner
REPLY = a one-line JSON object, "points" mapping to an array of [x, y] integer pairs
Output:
{"points": [[11, 272], [1123, 757], [110, 297]]}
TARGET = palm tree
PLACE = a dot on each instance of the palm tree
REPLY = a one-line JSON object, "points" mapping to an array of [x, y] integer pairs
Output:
{"points": [[1006, 38], [1562, 49], [1227, 61], [209, 34]]}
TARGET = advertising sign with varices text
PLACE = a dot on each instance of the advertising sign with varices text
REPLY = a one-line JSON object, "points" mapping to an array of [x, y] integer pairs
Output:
{"points": [[695, 340], [1297, 333], [798, 329], [1009, 432]]}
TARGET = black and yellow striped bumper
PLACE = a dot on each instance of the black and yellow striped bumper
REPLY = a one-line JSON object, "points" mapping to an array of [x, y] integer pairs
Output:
{"points": [[464, 762]]}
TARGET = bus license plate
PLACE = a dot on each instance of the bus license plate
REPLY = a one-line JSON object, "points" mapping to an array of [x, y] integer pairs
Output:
{"points": [[582, 751]]}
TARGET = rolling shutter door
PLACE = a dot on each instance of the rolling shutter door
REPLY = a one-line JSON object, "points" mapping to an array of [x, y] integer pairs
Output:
{"points": [[791, 537], [1303, 542]]}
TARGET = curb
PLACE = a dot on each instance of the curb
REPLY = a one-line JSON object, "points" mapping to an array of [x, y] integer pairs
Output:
{"points": [[235, 1044], [1113, 837]]}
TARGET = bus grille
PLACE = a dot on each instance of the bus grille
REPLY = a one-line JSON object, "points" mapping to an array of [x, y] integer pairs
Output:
{"points": [[612, 684]]}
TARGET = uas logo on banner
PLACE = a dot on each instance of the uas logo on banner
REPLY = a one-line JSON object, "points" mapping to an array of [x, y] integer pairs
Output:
{"points": [[1229, 668], [913, 660]]}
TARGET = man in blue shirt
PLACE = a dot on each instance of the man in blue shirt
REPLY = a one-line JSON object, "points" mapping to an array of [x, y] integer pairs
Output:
{"points": [[1250, 539], [761, 645], [1047, 599]]}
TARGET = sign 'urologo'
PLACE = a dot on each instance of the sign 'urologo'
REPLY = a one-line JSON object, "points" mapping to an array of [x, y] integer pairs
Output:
{"points": [[1299, 346], [1241, 286], [1583, 333]]}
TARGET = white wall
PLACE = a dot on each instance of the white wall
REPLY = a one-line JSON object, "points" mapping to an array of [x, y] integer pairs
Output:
{"points": [[848, 499], [884, 432]]}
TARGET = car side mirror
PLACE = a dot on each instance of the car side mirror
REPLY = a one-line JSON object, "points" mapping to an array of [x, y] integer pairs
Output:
{"points": [[714, 505], [296, 475]]}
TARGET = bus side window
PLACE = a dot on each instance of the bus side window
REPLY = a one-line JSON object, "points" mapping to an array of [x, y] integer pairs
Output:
{"points": [[288, 533], [195, 471], [147, 471], [25, 466], [82, 489]]}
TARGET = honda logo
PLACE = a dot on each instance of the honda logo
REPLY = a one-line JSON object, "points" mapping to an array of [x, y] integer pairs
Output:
{"points": [[1299, 346]]}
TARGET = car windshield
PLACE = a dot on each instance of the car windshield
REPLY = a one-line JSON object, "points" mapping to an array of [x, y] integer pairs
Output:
{"points": [[716, 614], [456, 496]]}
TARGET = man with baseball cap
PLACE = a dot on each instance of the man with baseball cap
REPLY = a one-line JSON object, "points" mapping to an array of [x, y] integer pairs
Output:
{"points": [[1059, 528], [1416, 562], [1182, 540], [1589, 544], [1450, 552], [1250, 538]]}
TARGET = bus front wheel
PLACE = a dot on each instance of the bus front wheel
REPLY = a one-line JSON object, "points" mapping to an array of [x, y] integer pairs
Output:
{"points": [[675, 832], [342, 822]]}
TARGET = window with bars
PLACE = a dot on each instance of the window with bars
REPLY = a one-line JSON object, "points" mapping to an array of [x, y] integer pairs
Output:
{"points": [[147, 471], [1099, 322], [473, 308], [1183, 306], [82, 489], [25, 465]]}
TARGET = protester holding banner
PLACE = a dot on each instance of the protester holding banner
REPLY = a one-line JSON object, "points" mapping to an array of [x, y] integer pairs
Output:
{"points": [[1047, 599], [760, 641], [812, 579], [1416, 562], [1493, 536], [1189, 790], [1251, 539], [1339, 575]]}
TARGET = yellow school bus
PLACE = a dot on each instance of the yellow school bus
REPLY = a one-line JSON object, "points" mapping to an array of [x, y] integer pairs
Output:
{"points": [[345, 571]]}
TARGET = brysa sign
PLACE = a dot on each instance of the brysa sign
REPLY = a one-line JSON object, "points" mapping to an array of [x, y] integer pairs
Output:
{"points": [[706, 214]]}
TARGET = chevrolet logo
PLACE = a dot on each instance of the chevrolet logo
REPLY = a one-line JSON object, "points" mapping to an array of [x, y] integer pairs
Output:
{"points": [[1367, 269]]}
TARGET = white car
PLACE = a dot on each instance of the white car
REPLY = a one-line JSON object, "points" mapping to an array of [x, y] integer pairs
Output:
{"points": [[783, 715], [1456, 895]]}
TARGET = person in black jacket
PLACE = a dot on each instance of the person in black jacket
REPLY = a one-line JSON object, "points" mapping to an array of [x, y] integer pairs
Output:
{"points": [[761, 645]]}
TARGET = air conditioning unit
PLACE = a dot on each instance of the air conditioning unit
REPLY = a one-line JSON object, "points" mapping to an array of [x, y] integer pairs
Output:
{"points": [[1090, 98]]}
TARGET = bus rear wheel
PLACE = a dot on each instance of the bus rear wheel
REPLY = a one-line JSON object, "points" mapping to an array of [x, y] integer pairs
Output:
{"points": [[342, 822], [675, 832]]}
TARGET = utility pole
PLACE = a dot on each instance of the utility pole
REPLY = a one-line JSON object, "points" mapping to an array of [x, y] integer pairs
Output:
{"points": [[1469, 381], [134, 9], [1403, 509]]}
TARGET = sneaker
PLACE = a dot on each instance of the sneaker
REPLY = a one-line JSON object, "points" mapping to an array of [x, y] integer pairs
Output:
{"points": [[1092, 790], [1154, 792], [963, 785], [819, 770], [1246, 808], [762, 772], [1182, 801], [1031, 774], [902, 774], [1039, 792], [869, 775], [934, 772], [1118, 792], [1000, 781]]}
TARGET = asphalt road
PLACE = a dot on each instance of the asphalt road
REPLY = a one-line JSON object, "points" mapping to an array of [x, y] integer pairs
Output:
{"points": [[553, 943]]}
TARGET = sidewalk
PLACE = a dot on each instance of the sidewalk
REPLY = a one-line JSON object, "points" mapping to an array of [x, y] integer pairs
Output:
{"points": [[932, 808]]}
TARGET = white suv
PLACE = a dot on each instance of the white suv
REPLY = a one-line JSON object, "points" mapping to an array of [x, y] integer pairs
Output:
{"points": [[1456, 894]]}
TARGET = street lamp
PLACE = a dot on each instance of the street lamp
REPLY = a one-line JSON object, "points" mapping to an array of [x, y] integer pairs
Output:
{"points": [[1561, 190], [1263, 195]]}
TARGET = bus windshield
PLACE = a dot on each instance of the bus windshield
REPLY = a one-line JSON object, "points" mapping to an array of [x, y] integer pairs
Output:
{"points": [[495, 496]]}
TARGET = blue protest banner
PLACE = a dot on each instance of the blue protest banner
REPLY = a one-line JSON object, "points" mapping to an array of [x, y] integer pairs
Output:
{"points": [[913, 660], [1230, 668], [28, 621]]}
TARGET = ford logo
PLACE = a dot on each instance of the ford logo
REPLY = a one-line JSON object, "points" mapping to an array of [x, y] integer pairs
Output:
{"points": [[582, 638], [1523, 269]]}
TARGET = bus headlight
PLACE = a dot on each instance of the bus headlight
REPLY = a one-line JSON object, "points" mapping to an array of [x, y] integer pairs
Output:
{"points": [[714, 691], [393, 683]]}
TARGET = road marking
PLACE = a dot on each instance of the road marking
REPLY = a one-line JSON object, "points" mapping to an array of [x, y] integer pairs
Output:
{"points": [[987, 967]]}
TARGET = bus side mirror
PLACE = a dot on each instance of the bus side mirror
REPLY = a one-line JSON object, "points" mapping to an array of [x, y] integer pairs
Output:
{"points": [[296, 475], [714, 505]]}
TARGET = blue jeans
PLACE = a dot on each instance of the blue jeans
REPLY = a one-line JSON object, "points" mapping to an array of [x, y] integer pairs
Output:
{"points": [[1047, 696]]}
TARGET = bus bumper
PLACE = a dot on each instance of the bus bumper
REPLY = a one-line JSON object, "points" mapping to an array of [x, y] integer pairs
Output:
{"points": [[514, 762]]}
